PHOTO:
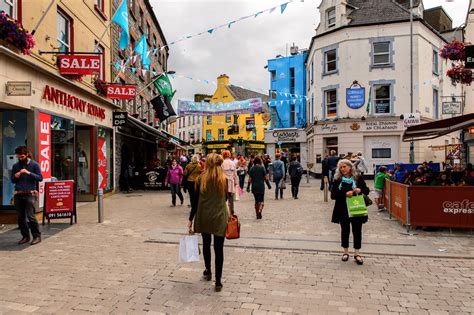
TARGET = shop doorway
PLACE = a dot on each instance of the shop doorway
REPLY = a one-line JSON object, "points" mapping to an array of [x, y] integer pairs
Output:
{"points": [[330, 144], [85, 165]]}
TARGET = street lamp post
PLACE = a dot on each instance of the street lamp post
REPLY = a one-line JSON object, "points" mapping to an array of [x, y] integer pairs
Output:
{"points": [[412, 144]]}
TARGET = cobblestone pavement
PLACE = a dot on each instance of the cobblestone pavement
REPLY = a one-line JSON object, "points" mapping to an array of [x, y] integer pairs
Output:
{"points": [[289, 262]]}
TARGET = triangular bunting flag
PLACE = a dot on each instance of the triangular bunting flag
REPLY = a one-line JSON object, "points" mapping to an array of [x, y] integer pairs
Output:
{"points": [[144, 72], [258, 13], [283, 7], [272, 9], [133, 69], [117, 66], [154, 73]]}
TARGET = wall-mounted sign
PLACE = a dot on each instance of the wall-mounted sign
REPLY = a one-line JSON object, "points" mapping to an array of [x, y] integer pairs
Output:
{"points": [[469, 61], [355, 96], [411, 119], [119, 91], [451, 108], [119, 118], [285, 136], [381, 125], [19, 88], [62, 98], [80, 64], [329, 128]]}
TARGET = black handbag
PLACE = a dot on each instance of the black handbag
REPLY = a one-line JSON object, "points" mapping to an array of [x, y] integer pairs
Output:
{"points": [[367, 200]]}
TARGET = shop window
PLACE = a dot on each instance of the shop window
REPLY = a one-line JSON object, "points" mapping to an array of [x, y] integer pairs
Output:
{"points": [[383, 153], [10, 7], [381, 55], [13, 128], [331, 17], [105, 158], [331, 103], [100, 49], [220, 135], [62, 148], [209, 120], [330, 61], [65, 31], [228, 119], [382, 99]]}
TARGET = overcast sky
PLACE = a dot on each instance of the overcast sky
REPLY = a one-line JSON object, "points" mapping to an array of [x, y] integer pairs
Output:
{"points": [[242, 50]]}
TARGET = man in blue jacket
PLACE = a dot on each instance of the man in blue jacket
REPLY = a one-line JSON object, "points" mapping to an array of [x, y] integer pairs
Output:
{"points": [[279, 173], [26, 174]]}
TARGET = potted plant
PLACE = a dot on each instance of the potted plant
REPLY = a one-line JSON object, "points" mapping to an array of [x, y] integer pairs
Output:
{"points": [[456, 52], [13, 35]]}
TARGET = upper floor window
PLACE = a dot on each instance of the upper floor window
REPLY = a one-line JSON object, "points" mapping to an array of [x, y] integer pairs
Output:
{"points": [[209, 120], [435, 104], [194, 120], [133, 6], [292, 80], [381, 53], [435, 63], [330, 98], [273, 74], [100, 49], [227, 119], [220, 134], [383, 99], [99, 4], [331, 17], [10, 7], [208, 135], [64, 32], [330, 61]]}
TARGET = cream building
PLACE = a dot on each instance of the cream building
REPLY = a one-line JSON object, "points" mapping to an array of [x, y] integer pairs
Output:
{"points": [[368, 43]]}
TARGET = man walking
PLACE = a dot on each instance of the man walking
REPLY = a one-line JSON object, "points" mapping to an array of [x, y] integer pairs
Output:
{"points": [[278, 174], [26, 174], [332, 165], [296, 171]]}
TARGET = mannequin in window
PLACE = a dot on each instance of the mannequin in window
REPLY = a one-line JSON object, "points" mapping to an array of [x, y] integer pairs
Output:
{"points": [[82, 165]]}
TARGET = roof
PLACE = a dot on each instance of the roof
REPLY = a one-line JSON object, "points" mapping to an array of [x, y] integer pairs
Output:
{"points": [[438, 128], [240, 94], [151, 12], [379, 11]]}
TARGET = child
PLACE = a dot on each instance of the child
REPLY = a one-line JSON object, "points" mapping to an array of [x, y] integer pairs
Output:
{"points": [[379, 184]]}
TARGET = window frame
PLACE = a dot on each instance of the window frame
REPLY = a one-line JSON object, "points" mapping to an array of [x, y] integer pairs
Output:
{"points": [[329, 17], [15, 9], [292, 115], [326, 61], [374, 88], [67, 17], [381, 149], [435, 62], [220, 134], [209, 120], [324, 52], [292, 81], [208, 135], [273, 75], [435, 101], [333, 104], [101, 48], [385, 53], [228, 119], [390, 53], [99, 6]]}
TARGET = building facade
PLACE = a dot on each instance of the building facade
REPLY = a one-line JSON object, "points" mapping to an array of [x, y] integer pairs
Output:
{"points": [[241, 134], [361, 52], [287, 106], [143, 141], [469, 90]]}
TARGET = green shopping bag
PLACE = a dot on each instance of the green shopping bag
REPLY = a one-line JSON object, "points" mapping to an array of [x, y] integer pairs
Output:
{"points": [[356, 206]]}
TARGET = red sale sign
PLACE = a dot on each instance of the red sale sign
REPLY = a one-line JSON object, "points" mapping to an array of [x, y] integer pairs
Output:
{"points": [[119, 91], [80, 64], [44, 132], [102, 162], [59, 199]]}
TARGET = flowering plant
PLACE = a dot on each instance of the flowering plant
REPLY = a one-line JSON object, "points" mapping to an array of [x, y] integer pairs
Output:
{"points": [[76, 77], [454, 51], [12, 32], [459, 74], [100, 86]]}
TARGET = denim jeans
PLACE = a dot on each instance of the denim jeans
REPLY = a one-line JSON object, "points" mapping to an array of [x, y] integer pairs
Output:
{"points": [[241, 181], [176, 190], [25, 208]]}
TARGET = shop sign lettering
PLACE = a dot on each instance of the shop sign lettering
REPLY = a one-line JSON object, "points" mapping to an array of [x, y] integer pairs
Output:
{"points": [[381, 125], [45, 144], [73, 102], [329, 128], [119, 91], [79, 64], [59, 200], [286, 136], [458, 207], [411, 119]]}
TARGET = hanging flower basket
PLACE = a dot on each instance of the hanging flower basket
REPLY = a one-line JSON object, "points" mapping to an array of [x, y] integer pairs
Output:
{"points": [[13, 34], [100, 86], [459, 74], [454, 51]]}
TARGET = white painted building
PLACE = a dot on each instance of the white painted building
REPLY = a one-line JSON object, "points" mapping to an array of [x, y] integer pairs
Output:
{"points": [[189, 129], [469, 38], [368, 41]]}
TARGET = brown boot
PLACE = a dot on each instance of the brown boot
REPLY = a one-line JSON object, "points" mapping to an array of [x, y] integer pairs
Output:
{"points": [[257, 207], [260, 210]]}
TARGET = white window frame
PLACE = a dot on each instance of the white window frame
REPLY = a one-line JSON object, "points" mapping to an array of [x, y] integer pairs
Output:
{"points": [[100, 5], [385, 53], [333, 104], [220, 134], [435, 62], [13, 8], [228, 119], [326, 61], [68, 26], [209, 120], [390, 97], [100, 48], [331, 17], [435, 103]]}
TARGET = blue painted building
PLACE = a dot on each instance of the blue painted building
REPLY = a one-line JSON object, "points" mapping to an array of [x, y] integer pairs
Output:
{"points": [[288, 91], [287, 106]]}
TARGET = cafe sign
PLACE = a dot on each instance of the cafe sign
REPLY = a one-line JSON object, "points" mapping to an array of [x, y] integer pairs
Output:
{"points": [[80, 64]]}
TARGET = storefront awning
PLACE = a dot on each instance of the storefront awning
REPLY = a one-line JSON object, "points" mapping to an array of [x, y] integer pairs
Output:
{"points": [[147, 128], [176, 141], [438, 128]]}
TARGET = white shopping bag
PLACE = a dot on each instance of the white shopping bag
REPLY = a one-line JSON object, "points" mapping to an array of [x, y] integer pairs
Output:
{"points": [[188, 249], [236, 197]]}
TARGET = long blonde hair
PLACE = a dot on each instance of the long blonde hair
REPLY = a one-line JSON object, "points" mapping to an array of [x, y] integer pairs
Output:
{"points": [[213, 174]]}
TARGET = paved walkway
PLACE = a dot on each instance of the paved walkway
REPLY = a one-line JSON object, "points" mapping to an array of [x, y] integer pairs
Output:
{"points": [[289, 262]]}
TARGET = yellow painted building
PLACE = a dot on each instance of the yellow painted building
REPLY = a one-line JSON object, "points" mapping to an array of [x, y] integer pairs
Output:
{"points": [[240, 133]]}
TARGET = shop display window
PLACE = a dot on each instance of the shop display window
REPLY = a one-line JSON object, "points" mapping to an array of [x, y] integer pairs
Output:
{"points": [[62, 148]]}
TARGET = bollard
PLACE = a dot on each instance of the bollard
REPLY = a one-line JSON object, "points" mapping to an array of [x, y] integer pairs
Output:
{"points": [[307, 177], [326, 188], [100, 204]]}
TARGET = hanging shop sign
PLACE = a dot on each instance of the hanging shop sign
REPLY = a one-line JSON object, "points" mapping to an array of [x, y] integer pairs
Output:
{"points": [[80, 64], [250, 106], [411, 119], [355, 96], [59, 97], [120, 91], [19, 88], [119, 118], [453, 108], [59, 200], [469, 61]]}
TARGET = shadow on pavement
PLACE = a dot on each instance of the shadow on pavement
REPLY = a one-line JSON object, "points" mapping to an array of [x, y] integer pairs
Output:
{"points": [[9, 239]]}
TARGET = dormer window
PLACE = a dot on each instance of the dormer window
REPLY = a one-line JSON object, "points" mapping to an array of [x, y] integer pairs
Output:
{"points": [[331, 17]]}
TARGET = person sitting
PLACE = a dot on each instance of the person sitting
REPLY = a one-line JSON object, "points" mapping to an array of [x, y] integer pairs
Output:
{"points": [[400, 175], [468, 176], [442, 180], [417, 177]]}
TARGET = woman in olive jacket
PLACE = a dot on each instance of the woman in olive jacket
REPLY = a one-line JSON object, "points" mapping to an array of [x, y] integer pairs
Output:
{"points": [[191, 174], [211, 215], [347, 184]]}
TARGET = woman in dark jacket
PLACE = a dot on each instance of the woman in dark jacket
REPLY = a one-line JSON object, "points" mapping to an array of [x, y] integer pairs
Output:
{"points": [[296, 172], [347, 184]]}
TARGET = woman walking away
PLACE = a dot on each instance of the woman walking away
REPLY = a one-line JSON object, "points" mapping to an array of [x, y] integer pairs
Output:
{"points": [[257, 178], [241, 171], [347, 184], [296, 171], [230, 172], [191, 173], [210, 214], [278, 175], [174, 177]]}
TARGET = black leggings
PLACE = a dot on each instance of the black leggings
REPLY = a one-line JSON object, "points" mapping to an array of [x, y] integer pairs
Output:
{"points": [[218, 252], [356, 233], [295, 185]]}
